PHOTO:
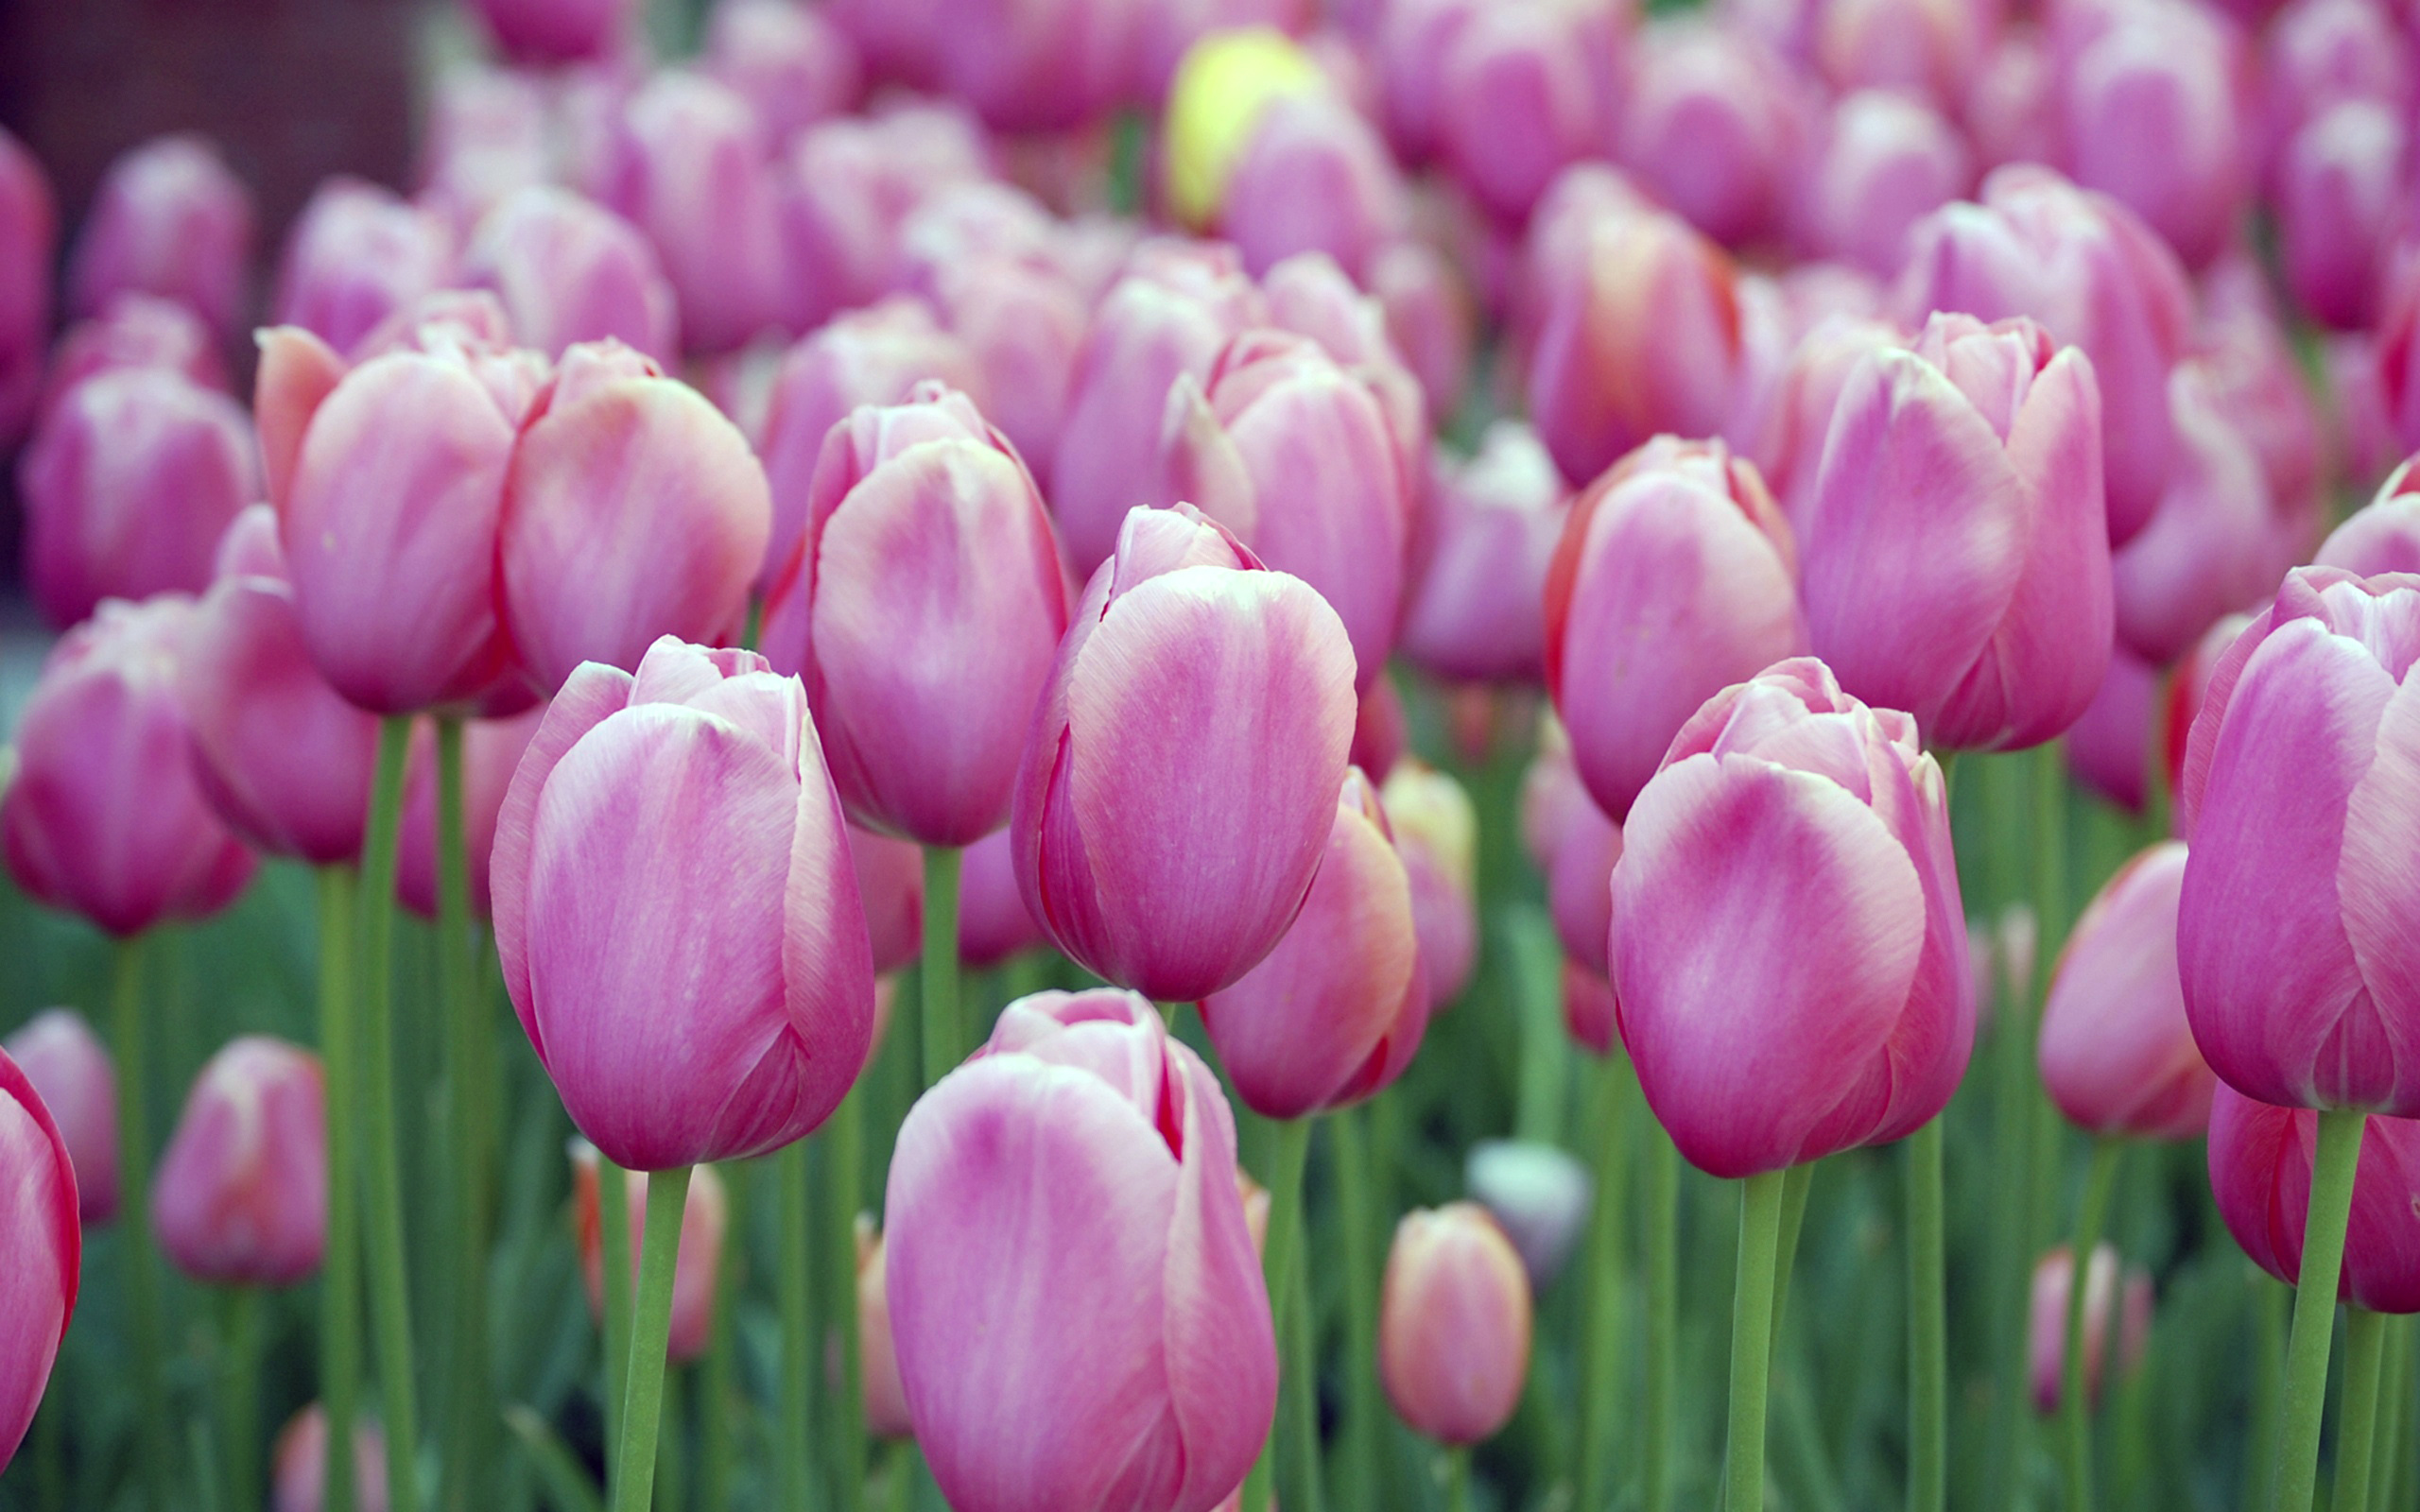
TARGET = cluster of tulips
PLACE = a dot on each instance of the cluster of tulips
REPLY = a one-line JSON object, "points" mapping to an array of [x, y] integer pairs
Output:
{"points": [[968, 508]]}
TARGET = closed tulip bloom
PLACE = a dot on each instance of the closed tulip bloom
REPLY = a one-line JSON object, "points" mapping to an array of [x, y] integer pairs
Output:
{"points": [[2010, 106], [2255, 379], [1580, 892], [793, 62], [1192, 680], [298, 1466], [2154, 107], [1430, 318], [884, 1400], [923, 608], [570, 271], [556, 31], [1956, 557], [1714, 124], [1336, 1011], [136, 331], [1313, 176], [1379, 731], [689, 168], [2341, 201], [28, 238], [489, 132], [127, 486], [993, 923], [2260, 1164], [1036, 65], [2294, 937], [69, 1069], [2361, 431], [1065, 1225], [283, 758], [359, 253], [104, 816], [491, 752], [1886, 161], [704, 1218], [2047, 1321], [1538, 1195], [627, 947], [1022, 326], [2116, 1051], [1437, 834], [2189, 686], [1927, 48], [1221, 90], [1523, 91], [2393, 371], [2109, 747], [1789, 446], [846, 187], [2383, 535], [41, 1245], [1311, 295], [241, 1197], [890, 886], [1833, 829], [169, 219], [1492, 525], [1454, 1322], [1551, 794]]}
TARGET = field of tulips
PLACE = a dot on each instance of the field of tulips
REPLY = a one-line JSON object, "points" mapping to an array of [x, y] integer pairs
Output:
{"points": [[1199, 755]]}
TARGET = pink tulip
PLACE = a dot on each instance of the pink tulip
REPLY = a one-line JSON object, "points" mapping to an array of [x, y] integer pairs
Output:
{"points": [[1454, 1321], [1797, 419], [682, 1017], [28, 238], [556, 31], [1538, 1195], [2116, 1051], [1714, 125], [241, 1197], [2189, 687], [69, 1069], [1064, 1226], [962, 219], [2261, 1164], [2341, 203], [129, 484], [1037, 65], [284, 760], [1311, 295], [1437, 834], [1931, 49], [1430, 318], [359, 253], [791, 62], [2321, 53], [923, 608], [1589, 1012], [42, 1243], [993, 921], [1579, 891], [1956, 557], [1524, 90], [2153, 111], [169, 219], [136, 331], [1672, 581], [2361, 432], [1379, 731], [489, 133], [2255, 380], [1022, 326], [569, 271], [103, 817], [2047, 1321], [2109, 747], [2298, 796], [2395, 365], [847, 186], [491, 750], [689, 168], [1795, 833], [1313, 176], [1490, 537], [2385, 536], [1553, 797], [299, 1464], [1183, 695], [1886, 161], [890, 884], [704, 1218], [884, 1400]]}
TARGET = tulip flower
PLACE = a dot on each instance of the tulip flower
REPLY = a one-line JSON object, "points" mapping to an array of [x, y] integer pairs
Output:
{"points": [[569, 271], [1927, 48], [136, 331], [1553, 799], [1797, 419], [1713, 124], [845, 188], [2116, 1051], [689, 168], [2109, 747], [1538, 1195], [1833, 827], [1580, 892], [1311, 295], [2382, 537], [2362, 436], [491, 750], [1672, 581], [28, 234], [299, 1463], [885, 1398], [104, 816], [357, 254], [2319, 53], [128, 483], [1223, 89], [1430, 318], [890, 884], [1335, 1012], [1379, 733], [1482, 558], [1454, 1322], [993, 921], [169, 219], [1886, 161], [2047, 1321], [1064, 1225], [1036, 65], [2341, 200], [704, 1216], [792, 63], [1437, 834], [490, 132], [1956, 557], [1021, 325], [923, 608], [2260, 1173], [2189, 686], [69, 1069], [2153, 111], [1181, 691], [682, 1019], [1589, 1012], [556, 31], [1313, 176], [283, 758], [2255, 380], [241, 1197], [42, 1245], [1524, 90]]}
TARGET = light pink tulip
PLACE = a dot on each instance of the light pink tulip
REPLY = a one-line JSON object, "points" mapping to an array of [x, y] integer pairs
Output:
{"points": [[489, 134], [793, 61], [28, 251], [704, 1216], [1309, 295], [846, 187], [1800, 838], [41, 1251], [1886, 161], [689, 168], [2255, 379], [299, 1464], [884, 1400], [1524, 90], [2116, 1051], [2156, 111], [1063, 1225], [1494, 522], [2342, 193], [169, 219], [491, 752], [71, 1071], [1022, 326], [890, 884], [958, 220], [1931, 49], [2260, 1164], [357, 255], [2110, 747], [1437, 834], [1313, 177], [2047, 1321], [136, 331], [1714, 124], [556, 31], [2321, 53], [2383, 536], [675, 914], [241, 1195], [1797, 419], [1454, 1322], [569, 271], [1430, 320], [993, 923]]}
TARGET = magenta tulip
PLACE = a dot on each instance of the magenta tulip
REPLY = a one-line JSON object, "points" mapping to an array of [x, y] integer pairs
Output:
{"points": [[1437, 834], [569, 271], [135, 330], [1802, 838], [1886, 161], [1064, 1225], [491, 750], [2116, 1051], [1797, 418], [2047, 1321], [2361, 430], [1492, 525], [2382, 537], [1037, 65], [2321, 53], [556, 31], [2154, 112], [993, 923], [689, 168], [60, 1054], [2341, 201], [1454, 1322], [1714, 124], [792, 63], [28, 237], [299, 1463], [103, 817], [169, 219], [359, 253], [2109, 747], [42, 1243], [241, 1197], [2260, 1169], [704, 1216]]}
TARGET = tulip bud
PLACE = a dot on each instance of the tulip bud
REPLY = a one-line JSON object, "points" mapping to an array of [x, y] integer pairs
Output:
{"points": [[2153, 106], [2047, 1321], [704, 1218], [1437, 834], [28, 237], [2261, 1165], [1714, 124], [569, 271], [1313, 176], [68, 1068], [1021, 326], [299, 1464], [169, 219], [103, 817], [359, 253], [993, 921], [2116, 1054], [689, 170], [1489, 538], [884, 1400], [1832, 826], [1539, 1196], [1192, 680], [1798, 414], [1886, 161], [1036, 65], [1523, 91], [1927, 48], [136, 331], [2341, 200], [1957, 556], [1430, 318], [491, 750], [556, 31], [846, 187], [1335, 1012], [923, 608], [1223, 91], [2382, 537], [2320, 53], [1044, 1201], [791, 63], [1671, 582], [1454, 1323], [2109, 746], [680, 1019], [489, 132], [41, 1251], [241, 1197]]}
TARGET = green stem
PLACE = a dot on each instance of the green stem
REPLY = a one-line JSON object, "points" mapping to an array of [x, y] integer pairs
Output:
{"points": [[716, 1386], [1364, 1406], [243, 1404], [899, 1477], [1458, 1478], [2076, 1387], [2331, 1203], [614, 1249], [467, 1046], [2395, 1401], [1799, 1180], [2357, 1431], [843, 1155], [340, 1270], [1299, 1394], [2009, 1274], [134, 1183], [1290, 1144], [1662, 1315], [50, 1443], [795, 1301], [667, 1198], [1600, 1371], [2269, 1302], [1531, 949], [1928, 1326], [381, 1162], [671, 1449], [939, 970], [1761, 1199]]}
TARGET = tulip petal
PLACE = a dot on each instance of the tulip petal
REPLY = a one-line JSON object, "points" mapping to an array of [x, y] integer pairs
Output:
{"points": [[297, 372], [41, 1251], [2377, 882]]}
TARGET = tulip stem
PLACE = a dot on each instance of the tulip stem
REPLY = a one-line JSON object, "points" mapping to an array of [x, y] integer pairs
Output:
{"points": [[134, 1226], [1288, 1146], [467, 1049], [1761, 1199], [1793, 1220], [1663, 1313], [2356, 1433], [613, 1251], [2269, 1302], [1298, 1396], [2331, 1206], [1364, 1409], [2076, 1386], [2395, 1401], [715, 1384], [382, 1166], [1601, 1361], [942, 1033], [2013, 1100], [794, 1299], [668, 1198], [843, 1155], [900, 1476], [1928, 1326], [1458, 1478], [243, 1388], [340, 1270]]}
